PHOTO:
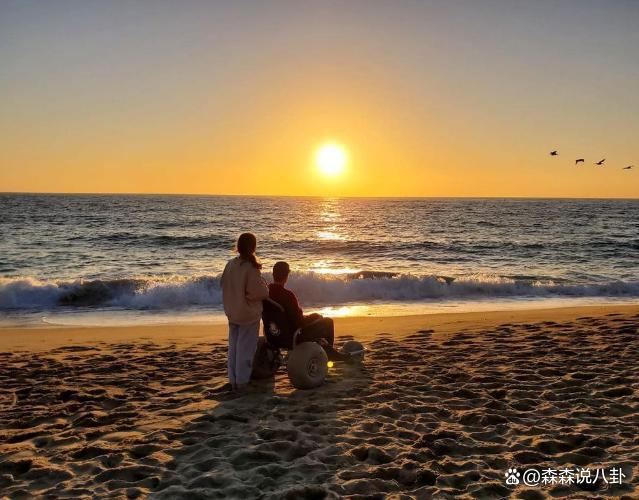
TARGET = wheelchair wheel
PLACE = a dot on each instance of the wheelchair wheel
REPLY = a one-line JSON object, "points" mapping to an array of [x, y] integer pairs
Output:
{"points": [[355, 349], [265, 362], [307, 365]]}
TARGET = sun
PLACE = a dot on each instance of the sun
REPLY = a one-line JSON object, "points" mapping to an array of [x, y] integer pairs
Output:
{"points": [[331, 159]]}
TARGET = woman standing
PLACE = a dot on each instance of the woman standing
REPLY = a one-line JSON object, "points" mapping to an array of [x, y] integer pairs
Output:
{"points": [[243, 290]]}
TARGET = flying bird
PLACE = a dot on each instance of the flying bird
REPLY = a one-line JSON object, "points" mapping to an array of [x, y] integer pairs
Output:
{"points": [[600, 162], [554, 153], [579, 160], [629, 167]]}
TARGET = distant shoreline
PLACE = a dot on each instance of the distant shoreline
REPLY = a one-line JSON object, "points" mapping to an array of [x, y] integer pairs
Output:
{"points": [[44, 337]]}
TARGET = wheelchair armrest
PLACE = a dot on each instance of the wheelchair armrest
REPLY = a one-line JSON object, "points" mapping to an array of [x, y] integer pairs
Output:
{"points": [[319, 318], [295, 335], [271, 301]]}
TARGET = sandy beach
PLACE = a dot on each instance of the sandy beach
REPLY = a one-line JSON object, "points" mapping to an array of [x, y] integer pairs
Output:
{"points": [[442, 407]]}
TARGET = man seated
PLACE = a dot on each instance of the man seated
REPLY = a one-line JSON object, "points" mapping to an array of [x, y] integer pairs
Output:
{"points": [[314, 327]]}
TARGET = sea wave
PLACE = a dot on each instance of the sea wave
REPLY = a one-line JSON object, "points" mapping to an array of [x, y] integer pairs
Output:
{"points": [[453, 246], [158, 240], [177, 292], [134, 293]]}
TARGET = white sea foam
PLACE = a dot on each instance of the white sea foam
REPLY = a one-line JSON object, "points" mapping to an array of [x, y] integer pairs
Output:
{"points": [[312, 289]]}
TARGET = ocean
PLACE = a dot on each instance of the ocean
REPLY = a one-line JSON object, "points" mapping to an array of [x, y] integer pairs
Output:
{"points": [[120, 259]]}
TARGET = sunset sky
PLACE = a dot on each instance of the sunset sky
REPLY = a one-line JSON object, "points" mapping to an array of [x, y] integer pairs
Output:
{"points": [[428, 98]]}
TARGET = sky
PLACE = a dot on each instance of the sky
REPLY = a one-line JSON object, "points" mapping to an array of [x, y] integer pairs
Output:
{"points": [[429, 98]]}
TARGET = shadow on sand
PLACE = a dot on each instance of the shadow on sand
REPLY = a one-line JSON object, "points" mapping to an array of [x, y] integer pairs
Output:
{"points": [[273, 441]]}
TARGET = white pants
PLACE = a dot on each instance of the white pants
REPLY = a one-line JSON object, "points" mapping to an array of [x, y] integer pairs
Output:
{"points": [[242, 345]]}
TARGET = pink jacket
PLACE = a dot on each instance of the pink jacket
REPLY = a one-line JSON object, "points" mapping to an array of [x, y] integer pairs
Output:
{"points": [[243, 290]]}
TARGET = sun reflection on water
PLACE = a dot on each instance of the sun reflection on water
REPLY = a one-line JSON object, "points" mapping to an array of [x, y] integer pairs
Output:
{"points": [[329, 209], [327, 267], [330, 235], [344, 311], [331, 216]]}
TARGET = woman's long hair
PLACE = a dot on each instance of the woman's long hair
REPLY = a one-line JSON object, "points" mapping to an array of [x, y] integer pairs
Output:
{"points": [[246, 245]]}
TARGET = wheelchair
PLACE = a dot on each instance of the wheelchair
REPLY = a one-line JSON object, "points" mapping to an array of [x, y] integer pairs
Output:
{"points": [[306, 362]]}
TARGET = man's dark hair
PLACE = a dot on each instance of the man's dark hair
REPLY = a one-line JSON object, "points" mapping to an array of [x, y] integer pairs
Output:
{"points": [[280, 270]]}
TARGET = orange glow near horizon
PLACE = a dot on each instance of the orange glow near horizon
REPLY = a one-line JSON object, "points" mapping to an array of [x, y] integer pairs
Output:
{"points": [[235, 98]]}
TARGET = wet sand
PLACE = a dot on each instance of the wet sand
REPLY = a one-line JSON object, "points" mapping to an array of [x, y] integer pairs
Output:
{"points": [[442, 407]]}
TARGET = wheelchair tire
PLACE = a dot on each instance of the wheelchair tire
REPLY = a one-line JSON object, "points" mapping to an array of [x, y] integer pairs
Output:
{"points": [[355, 349], [265, 362], [307, 365]]}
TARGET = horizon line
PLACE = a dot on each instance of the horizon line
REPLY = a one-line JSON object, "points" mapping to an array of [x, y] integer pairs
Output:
{"points": [[81, 193]]}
